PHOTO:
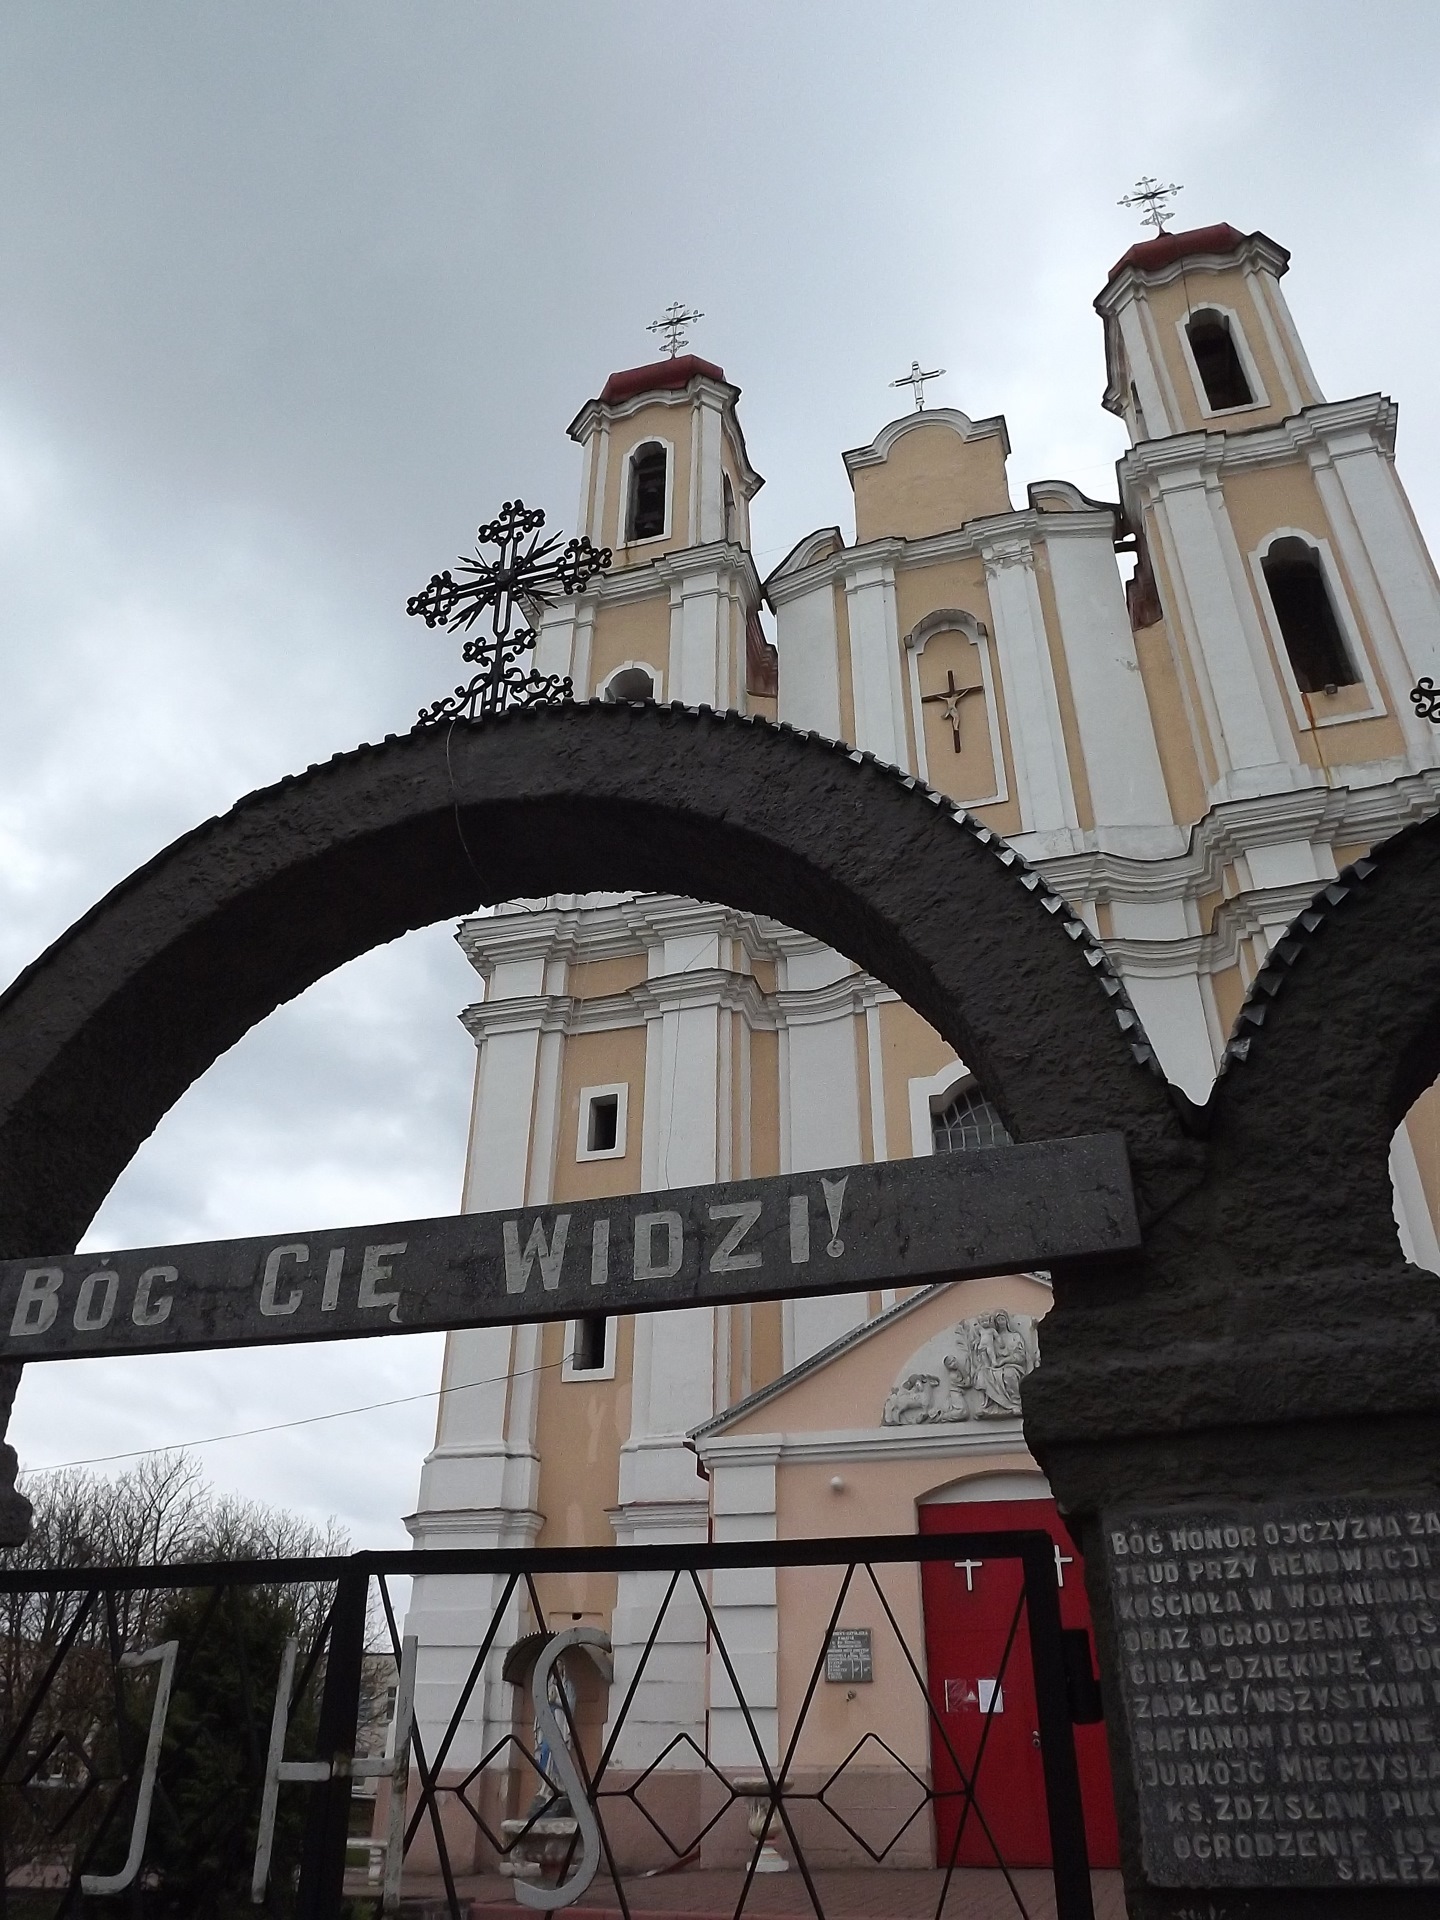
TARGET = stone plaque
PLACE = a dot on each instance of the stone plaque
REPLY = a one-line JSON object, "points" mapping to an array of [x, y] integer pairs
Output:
{"points": [[1280, 1682], [848, 1655]]}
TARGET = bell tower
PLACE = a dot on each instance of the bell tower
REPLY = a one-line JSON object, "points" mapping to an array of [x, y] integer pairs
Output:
{"points": [[666, 485], [1282, 582]]}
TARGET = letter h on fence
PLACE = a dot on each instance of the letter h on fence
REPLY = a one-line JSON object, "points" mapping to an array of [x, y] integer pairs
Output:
{"points": [[338, 1771]]}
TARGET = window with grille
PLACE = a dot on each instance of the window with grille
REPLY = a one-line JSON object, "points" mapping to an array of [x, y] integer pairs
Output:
{"points": [[967, 1124]]}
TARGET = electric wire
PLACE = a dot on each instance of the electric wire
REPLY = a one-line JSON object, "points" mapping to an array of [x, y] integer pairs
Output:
{"points": [[282, 1426]]}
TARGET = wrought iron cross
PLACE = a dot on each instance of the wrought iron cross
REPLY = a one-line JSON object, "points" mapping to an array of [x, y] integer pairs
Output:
{"points": [[950, 699], [915, 380], [527, 571], [672, 323], [1148, 193], [1425, 698]]}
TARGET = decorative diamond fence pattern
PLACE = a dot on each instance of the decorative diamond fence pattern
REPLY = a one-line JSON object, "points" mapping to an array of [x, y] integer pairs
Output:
{"points": [[261, 1737]]}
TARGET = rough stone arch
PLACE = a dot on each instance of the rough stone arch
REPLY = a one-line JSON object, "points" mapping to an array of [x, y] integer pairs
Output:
{"points": [[1338, 1036], [103, 1033]]}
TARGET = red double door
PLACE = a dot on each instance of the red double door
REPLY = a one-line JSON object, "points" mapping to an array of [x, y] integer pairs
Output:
{"points": [[969, 1609]]}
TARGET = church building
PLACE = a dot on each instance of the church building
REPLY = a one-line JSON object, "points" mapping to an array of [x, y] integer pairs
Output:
{"points": [[1187, 707]]}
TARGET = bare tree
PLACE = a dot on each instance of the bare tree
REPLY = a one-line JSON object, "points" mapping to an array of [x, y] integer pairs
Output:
{"points": [[62, 1697]]}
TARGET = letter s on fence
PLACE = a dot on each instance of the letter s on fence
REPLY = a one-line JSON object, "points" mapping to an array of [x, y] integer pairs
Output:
{"points": [[147, 1312], [39, 1301], [269, 1304]]}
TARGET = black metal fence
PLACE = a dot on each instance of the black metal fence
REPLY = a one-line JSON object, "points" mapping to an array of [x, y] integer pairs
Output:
{"points": [[186, 1739]]}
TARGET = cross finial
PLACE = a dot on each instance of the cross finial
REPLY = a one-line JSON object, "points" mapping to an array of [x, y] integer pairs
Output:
{"points": [[526, 575], [915, 380], [1150, 194], [672, 323]]}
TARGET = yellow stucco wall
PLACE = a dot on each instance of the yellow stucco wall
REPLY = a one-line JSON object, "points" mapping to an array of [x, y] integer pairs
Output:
{"points": [[931, 481]]}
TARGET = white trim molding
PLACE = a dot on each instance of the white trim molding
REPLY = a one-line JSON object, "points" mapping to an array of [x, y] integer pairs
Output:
{"points": [[1259, 398], [925, 1091], [606, 1369], [624, 541], [619, 1090], [956, 620], [879, 449], [657, 679]]}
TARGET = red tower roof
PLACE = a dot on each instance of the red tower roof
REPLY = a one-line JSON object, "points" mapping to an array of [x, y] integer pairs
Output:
{"points": [[662, 376], [1150, 255]]}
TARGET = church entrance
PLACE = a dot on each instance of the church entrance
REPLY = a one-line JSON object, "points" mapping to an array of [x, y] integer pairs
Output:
{"points": [[982, 1689]]}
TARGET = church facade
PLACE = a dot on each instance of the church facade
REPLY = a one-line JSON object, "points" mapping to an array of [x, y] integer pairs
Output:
{"points": [[1187, 707]]}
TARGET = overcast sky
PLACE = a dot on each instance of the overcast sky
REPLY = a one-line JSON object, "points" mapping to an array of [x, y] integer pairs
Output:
{"points": [[296, 293]]}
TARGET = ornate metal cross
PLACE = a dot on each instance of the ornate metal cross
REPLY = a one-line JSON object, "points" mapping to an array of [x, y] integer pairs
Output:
{"points": [[672, 323], [1148, 193], [950, 699], [1425, 698], [915, 380], [527, 571]]}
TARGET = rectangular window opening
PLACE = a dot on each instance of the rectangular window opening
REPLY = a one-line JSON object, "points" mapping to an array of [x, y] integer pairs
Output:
{"points": [[602, 1129], [587, 1355]]}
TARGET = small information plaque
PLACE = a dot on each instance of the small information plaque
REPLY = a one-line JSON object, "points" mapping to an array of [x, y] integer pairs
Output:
{"points": [[1280, 1682], [848, 1655]]}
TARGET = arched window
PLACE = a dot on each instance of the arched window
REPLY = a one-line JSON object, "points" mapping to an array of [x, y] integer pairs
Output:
{"points": [[1217, 361], [630, 684], [729, 493], [1300, 596], [968, 1123], [645, 511]]}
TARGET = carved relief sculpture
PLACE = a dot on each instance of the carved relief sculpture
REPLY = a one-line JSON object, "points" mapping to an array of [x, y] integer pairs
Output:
{"points": [[987, 1358]]}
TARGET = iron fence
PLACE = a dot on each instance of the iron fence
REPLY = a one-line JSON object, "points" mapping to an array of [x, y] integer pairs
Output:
{"points": [[192, 1738]]}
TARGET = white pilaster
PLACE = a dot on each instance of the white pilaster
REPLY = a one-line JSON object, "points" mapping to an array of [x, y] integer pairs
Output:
{"points": [[1117, 735], [1252, 741], [808, 642], [820, 1112], [662, 1497], [742, 1496], [479, 1486], [1037, 740], [875, 678], [1155, 397], [1393, 545]]}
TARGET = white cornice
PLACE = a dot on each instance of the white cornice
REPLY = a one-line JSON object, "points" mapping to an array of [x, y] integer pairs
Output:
{"points": [[959, 423], [718, 987], [1332, 816], [1254, 250], [588, 927], [1025, 525], [698, 390], [816, 546], [647, 1000], [944, 1441], [627, 585], [1314, 430]]}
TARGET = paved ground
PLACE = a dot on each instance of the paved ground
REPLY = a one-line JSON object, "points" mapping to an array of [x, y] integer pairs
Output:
{"points": [[696, 1895]]}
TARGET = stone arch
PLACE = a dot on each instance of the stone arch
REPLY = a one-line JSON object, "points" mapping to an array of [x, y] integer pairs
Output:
{"points": [[1338, 1036], [103, 1033]]}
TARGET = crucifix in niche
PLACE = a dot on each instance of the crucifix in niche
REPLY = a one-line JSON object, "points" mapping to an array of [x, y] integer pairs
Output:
{"points": [[950, 699]]}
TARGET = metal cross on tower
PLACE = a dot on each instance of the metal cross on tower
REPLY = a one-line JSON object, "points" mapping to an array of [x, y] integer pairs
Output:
{"points": [[1150, 194], [672, 323], [527, 570], [915, 380]]}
